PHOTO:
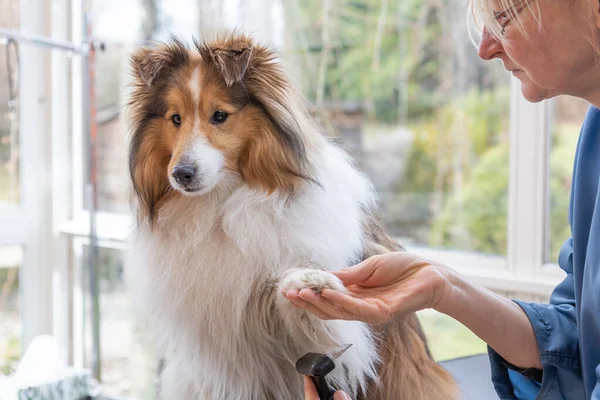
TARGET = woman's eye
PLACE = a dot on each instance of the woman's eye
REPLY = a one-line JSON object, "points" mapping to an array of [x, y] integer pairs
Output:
{"points": [[176, 119], [218, 117], [502, 18]]}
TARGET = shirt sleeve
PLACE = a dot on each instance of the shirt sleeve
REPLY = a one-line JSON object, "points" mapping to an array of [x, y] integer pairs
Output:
{"points": [[596, 391], [555, 328]]}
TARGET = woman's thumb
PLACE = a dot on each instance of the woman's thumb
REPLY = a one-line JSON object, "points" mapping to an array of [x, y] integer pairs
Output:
{"points": [[357, 273]]}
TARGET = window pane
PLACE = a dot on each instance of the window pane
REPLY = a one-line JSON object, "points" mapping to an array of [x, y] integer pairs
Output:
{"points": [[408, 96], [567, 119], [11, 259], [113, 23], [427, 119], [9, 129], [111, 150], [128, 366]]}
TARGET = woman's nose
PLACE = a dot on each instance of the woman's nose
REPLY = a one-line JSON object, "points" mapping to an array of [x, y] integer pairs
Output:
{"points": [[489, 47]]}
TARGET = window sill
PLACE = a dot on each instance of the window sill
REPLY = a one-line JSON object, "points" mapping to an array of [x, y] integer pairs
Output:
{"points": [[494, 272]]}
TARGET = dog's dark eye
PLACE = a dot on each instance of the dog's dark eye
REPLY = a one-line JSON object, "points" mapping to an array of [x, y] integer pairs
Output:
{"points": [[176, 119], [218, 117]]}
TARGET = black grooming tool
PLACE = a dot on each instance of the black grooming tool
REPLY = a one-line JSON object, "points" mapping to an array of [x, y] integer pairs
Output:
{"points": [[317, 366]]}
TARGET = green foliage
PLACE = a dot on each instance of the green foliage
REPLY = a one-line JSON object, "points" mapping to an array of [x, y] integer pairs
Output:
{"points": [[444, 150], [405, 60], [4, 182], [11, 354], [475, 218], [469, 125], [564, 139]]}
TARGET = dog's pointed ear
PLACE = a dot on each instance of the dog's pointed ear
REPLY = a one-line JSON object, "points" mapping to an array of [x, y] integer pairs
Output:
{"points": [[231, 57], [150, 63]]}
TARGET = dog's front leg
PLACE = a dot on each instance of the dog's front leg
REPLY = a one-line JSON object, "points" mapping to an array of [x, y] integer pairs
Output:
{"points": [[308, 332], [304, 278], [311, 334]]}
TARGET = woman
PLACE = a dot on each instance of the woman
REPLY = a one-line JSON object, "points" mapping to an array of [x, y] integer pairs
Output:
{"points": [[549, 350]]}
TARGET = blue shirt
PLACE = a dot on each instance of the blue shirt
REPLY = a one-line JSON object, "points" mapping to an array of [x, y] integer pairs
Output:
{"points": [[568, 329]]}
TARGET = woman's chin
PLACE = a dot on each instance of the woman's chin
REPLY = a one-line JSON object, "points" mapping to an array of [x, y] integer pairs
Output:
{"points": [[534, 93]]}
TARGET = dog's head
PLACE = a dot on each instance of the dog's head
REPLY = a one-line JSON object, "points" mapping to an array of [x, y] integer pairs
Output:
{"points": [[201, 114]]}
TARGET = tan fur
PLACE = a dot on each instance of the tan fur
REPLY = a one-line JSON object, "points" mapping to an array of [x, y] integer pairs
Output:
{"points": [[265, 142], [238, 78]]}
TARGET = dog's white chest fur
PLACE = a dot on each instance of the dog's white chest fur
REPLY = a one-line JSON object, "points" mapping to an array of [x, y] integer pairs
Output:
{"points": [[206, 280]]}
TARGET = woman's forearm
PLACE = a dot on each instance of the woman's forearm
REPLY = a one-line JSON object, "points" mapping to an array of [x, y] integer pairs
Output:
{"points": [[501, 323]]}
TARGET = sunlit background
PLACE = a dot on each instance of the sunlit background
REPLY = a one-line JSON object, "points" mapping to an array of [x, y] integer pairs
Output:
{"points": [[466, 170]]}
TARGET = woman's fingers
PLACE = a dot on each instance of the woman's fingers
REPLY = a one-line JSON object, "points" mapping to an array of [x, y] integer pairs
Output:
{"points": [[360, 309], [326, 306], [293, 296], [337, 305], [310, 391]]}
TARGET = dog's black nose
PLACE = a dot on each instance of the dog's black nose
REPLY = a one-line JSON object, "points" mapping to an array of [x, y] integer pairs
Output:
{"points": [[183, 174]]}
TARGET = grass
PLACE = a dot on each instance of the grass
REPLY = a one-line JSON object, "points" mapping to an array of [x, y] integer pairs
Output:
{"points": [[4, 184], [10, 354], [448, 338]]}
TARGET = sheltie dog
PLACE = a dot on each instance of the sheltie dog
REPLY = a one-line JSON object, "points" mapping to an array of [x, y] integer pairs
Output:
{"points": [[238, 196]]}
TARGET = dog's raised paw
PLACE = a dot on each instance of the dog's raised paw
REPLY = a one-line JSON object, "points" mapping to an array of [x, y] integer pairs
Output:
{"points": [[315, 279]]}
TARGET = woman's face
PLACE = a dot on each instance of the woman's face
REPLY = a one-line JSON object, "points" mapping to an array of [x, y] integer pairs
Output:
{"points": [[557, 55]]}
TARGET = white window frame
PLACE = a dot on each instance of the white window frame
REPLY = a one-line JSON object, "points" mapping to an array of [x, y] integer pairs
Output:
{"points": [[44, 180], [35, 177]]}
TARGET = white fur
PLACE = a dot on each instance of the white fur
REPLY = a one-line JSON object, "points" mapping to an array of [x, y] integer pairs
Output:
{"points": [[208, 160], [195, 85], [207, 280], [317, 280]]}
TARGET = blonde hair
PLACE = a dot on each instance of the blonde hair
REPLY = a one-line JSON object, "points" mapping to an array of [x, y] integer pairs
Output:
{"points": [[481, 14]]}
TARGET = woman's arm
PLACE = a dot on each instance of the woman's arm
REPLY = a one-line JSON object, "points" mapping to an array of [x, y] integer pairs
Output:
{"points": [[391, 285], [526, 335], [499, 322]]}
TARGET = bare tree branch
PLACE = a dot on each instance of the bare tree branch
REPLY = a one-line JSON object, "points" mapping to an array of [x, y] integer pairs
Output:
{"points": [[7, 288], [403, 71], [383, 10], [301, 35], [325, 51]]}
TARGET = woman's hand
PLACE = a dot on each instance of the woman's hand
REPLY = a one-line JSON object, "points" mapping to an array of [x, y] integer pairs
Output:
{"points": [[310, 391], [391, 285], [380, 289]]}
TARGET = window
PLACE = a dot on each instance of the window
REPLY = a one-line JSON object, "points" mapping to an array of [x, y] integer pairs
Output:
{"points": [[424, 116], [433, 126], [127, 365], [111, 150], [567, 118], [123, 31], [11, 259], [11, 253]]}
